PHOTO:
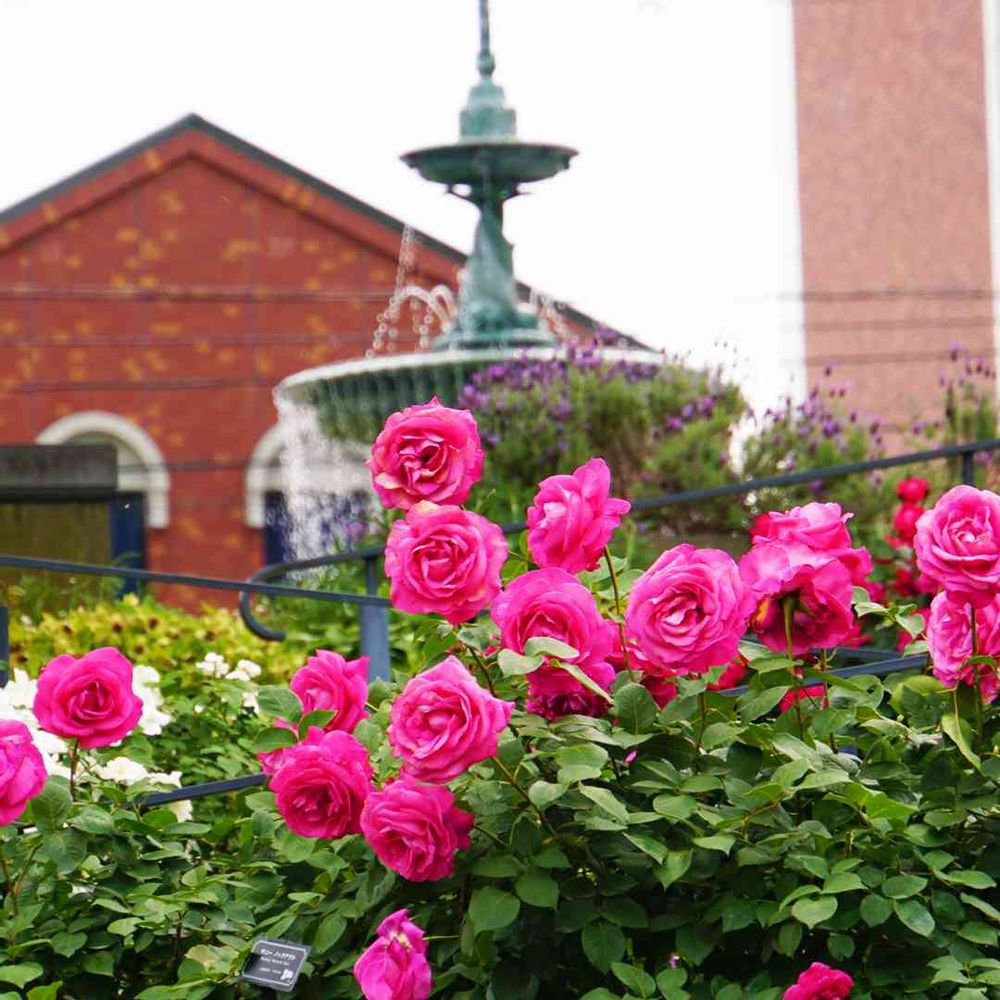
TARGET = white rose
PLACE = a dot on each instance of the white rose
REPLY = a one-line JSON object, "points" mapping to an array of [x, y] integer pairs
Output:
{"points": [[250, 668], [123, 769]]}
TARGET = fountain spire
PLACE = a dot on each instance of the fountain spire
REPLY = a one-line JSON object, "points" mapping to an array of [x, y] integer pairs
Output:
{"points": [[487, 167]]}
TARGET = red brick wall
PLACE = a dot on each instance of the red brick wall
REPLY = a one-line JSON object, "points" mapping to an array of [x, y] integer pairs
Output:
{"points": [[893, 169]]}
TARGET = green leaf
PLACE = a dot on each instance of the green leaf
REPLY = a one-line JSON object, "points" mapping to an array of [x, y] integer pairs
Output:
{"points": [[66, 944], [875, 910], [696, 941], [970, 879], [50, 991], [636, 980], [915, 916], [606, 801], [584, 680], [538, 889], [20, 975], [542, 645], [842, 882], [123, 927], [675, 807], [674, 866], [902, 886], [635, 708], [754, 704], [670, 982], [720, 842], [491, 909], [101, 963], [656, 849], [515, 665], [580, 762], [320, 718], [93, 819], [49, 809], [274, 738], [279, 702], [956, 729], [603, 943], [979, 933], [544, 793], [814, 911], [980, 904], [329, 932], [789, 938], [496, 866]]}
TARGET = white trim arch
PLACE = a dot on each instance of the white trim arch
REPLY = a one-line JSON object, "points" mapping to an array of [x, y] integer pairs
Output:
{"points": [[263, 476], [144, 470]]}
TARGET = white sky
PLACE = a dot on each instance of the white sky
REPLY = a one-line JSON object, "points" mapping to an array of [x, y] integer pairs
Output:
{"points": [[678, 222]]}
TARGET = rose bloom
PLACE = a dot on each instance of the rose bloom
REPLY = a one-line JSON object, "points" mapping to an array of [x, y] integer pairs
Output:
{"points": [[904, 521], [820, 982], [573, 518], [553, 692], [688, 611], [662, 689], [821, 527], [426, 452], [415, 829], [949, 638], [395, 966], [444, 560], [443, 722], [958, 544], [821, 588], [331, 683], [912, 490], [321, 786], [551, 603], [22, 769], [90, 699]]}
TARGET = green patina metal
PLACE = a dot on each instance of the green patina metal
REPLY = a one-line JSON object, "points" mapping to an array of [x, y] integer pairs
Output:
{"points": [[487, 167]]}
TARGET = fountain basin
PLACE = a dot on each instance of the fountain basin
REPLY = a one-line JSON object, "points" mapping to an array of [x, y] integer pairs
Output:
{"points": [[504, 163]]}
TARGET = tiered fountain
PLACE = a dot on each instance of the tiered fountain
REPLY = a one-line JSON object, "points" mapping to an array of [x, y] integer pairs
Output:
{"points": [[332, 413]]}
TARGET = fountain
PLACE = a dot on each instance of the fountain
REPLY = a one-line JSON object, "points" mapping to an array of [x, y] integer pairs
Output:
{"points": [[332, 413]]}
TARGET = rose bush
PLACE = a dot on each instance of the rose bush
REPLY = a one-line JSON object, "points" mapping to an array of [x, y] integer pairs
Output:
{"points": [[553, 806]]}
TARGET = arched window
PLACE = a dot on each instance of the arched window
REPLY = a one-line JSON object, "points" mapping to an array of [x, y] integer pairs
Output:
{"points": [[141, 466], [263, 476]]}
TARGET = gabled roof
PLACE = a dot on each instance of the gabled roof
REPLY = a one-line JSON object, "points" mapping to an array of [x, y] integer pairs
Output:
{"points": [[193, 135]]}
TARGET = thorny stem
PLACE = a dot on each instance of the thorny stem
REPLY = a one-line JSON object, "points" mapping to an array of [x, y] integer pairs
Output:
{"points": [[618, 606], [492, 836], [703, 718], [788, 606], [512, 781], [74, 752], [833, 736], [485, 670], [11, 887]]}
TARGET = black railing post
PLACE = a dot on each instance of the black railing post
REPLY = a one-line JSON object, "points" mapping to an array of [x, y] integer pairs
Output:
{"points": [[374, 627], [969, 468], [4, 644]]}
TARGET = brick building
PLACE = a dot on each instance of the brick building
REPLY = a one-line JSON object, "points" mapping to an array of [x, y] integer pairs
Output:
{"points": [[898, 164], [154, 300]]}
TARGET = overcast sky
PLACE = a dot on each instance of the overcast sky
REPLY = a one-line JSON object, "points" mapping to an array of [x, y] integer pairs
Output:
{"points": [[677, 222]]}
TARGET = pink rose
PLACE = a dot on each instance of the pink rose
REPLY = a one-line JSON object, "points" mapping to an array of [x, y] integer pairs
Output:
{"points": [[912, 490], [426, 452], [958, 544], [321, 786], [904, 521], [444, 722], [22, 769], [820, 982], [820, 588], [415, 829], [271, 761], [553, 692], [688, 611], [90, 699], [444, 560], [551, 603], [331, 683], [949, 638], [821, 527], [573, 518], [395, 966]]}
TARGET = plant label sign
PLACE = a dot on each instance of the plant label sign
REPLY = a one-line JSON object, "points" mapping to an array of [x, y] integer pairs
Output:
{"points": [[276, 964]]}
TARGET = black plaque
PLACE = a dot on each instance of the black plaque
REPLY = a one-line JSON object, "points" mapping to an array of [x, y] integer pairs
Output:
{"points": [[274, 963]]}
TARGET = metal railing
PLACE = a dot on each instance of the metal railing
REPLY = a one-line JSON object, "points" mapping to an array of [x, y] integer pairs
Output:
{"points": [[373, 610]]}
